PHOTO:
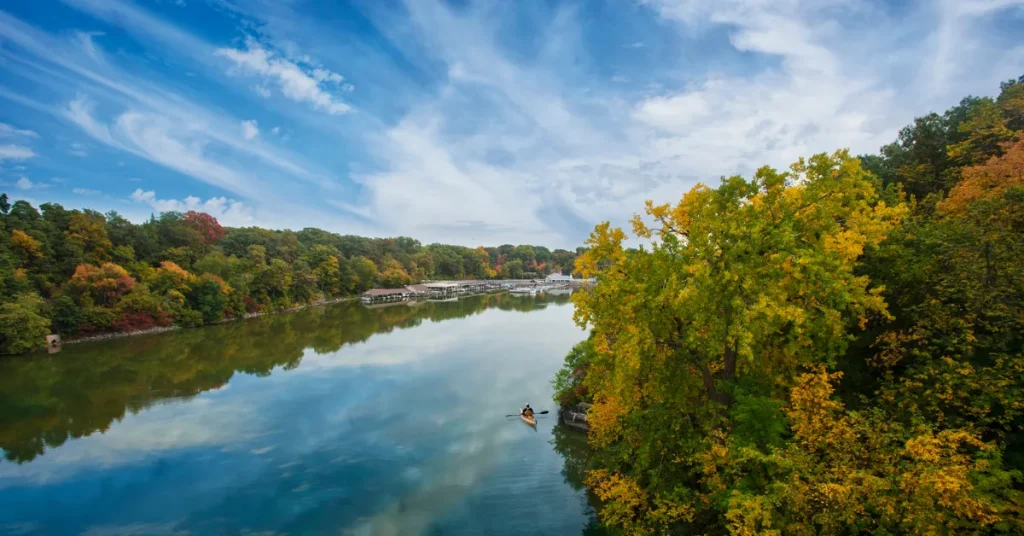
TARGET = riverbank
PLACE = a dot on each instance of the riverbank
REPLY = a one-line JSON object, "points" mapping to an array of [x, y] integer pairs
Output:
{"points": [[164, 329]]}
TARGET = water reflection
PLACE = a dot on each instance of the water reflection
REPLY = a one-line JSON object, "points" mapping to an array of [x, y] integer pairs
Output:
{"points": [[82, 390], [367, 421]]}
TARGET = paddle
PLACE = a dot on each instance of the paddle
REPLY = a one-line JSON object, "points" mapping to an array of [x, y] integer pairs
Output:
{"points": [[545, 412]]}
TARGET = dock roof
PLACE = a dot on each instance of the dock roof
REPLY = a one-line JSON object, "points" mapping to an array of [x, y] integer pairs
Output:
{"points": [[385, 291]]}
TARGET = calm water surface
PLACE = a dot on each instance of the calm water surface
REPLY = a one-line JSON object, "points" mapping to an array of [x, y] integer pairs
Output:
{"points": [[333, 420]]}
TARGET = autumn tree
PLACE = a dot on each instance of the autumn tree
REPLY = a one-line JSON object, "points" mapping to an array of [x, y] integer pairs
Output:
{"points": [[393, 275], [86, 233], [744, 287], [102, 285], [206, 226], [28, 248]]}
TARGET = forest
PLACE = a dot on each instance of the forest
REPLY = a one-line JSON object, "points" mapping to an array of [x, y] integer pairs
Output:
{"points": [[79, 272], [831, 349]]}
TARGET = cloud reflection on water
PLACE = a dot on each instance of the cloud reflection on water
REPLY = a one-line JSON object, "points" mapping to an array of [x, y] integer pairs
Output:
{"points": [[393, 433]]}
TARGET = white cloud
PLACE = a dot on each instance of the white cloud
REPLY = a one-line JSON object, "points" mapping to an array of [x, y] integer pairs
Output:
{"points": [[275, 130], [261, 90], [250, 129], [227, 211], [323, 75], [84, 191], [175, 144], [85, 41], [135, 179], [8, 131], [77, 149], [15, 152], [295, 82], [25, 184]]}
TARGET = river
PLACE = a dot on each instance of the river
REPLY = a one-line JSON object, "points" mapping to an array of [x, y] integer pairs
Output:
{"points": [[340, 419]]}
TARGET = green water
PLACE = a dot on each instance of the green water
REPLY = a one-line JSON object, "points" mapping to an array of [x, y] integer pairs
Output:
{"points": [[333, 420]]}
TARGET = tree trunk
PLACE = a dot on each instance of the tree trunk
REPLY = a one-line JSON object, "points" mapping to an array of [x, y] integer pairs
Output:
{"points": [[709, 384]]}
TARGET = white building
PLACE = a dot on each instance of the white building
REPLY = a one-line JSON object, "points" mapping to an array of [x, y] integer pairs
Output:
{"points": [[558, 278]]}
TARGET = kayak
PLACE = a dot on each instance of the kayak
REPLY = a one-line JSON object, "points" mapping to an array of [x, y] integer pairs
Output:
{"points": [[532, 421]]}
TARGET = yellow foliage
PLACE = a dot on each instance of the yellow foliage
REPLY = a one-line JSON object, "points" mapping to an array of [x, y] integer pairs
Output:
{"points": [[29, 247]]}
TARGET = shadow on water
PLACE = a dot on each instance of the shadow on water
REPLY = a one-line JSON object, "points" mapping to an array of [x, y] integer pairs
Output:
{"points": [[575, 451], [48, 399]]}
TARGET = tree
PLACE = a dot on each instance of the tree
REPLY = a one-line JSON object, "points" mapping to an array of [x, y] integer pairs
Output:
{"points": [[208, 294], [170, 277], [568, 382], [22, 327], [5, 205], [364, 274], [67, 316], [326, 269], [744, 286], [206, 226], [28, 248], [103, 285], [393, 275], [512, 269], [86, 232]]}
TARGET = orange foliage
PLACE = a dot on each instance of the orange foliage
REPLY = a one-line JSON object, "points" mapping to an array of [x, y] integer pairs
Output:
{"points": [[990, 180], [29, 247], [104, 283]]}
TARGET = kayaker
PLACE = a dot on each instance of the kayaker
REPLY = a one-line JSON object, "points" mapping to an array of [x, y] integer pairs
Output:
{"points": [[527, 411]]}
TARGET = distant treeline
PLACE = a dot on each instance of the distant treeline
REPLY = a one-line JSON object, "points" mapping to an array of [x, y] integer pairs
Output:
{"points": [[80, 272]]}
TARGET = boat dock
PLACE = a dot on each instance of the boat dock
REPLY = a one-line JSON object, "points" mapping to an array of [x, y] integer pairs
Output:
{"points": [[452, 290]]}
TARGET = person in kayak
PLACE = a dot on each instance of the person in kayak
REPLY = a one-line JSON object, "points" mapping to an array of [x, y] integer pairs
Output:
{"points": [[527, 411]]}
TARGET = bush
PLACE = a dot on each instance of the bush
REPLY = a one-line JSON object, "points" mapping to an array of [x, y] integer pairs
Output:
{"points": [[134, 322], [568, 383], [22, 328], [188, 318], [98, 319], [67, 316]]}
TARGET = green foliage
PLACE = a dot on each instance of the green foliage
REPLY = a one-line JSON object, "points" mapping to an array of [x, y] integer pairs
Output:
{"points": [[568, 381], [22, 327], [188, 318], [67, 316]]}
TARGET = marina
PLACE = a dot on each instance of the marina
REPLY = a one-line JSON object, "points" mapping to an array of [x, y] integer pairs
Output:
{"points": [[452, 290]]}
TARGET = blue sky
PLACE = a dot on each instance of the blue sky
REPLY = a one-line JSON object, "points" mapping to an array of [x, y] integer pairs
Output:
{"points": [[461, 121]]}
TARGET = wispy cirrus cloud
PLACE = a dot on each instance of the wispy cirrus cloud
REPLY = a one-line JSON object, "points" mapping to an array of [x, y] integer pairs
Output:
{"points": [[143, 116], [15, 152], [159, 139], [8, 131]]}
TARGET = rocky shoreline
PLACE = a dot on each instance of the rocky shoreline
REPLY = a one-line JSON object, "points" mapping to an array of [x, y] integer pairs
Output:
{"points": [[575, 417]]}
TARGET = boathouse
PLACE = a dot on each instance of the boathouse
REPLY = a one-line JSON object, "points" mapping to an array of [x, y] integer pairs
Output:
{"points": [[378, 295]]}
